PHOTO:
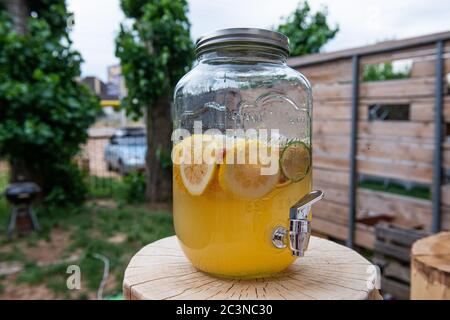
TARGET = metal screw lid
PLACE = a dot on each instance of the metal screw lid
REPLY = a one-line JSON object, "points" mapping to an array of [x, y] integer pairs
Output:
{"points": [[243, 36]]}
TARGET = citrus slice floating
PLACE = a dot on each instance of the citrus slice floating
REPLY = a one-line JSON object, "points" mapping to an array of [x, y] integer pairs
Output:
{"points": [[176, 158], [245, 180], [196, 173], [295, 161], [283, 181]]}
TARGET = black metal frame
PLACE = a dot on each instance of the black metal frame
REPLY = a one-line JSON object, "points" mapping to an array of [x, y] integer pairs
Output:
{"points": [[438, 121], [353, 149]]}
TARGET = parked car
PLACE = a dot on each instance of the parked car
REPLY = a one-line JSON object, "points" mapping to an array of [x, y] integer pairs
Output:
{"points": [[126, 150]]}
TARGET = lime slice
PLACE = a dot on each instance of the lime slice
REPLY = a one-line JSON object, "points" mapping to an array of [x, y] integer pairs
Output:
{"points": [[245, 180], [295, 161]]}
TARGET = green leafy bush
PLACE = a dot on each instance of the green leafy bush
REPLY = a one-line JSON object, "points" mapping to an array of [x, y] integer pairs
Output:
{"points": [[133, 188], [384, 71], [45, 112], [308, 32]]}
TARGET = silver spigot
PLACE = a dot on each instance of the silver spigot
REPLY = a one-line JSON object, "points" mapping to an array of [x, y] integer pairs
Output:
{"points": [[299, 225]]}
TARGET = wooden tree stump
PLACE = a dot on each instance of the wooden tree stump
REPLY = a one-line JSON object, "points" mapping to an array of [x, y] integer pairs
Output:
{"points": [[430, 268], [328, 271]]}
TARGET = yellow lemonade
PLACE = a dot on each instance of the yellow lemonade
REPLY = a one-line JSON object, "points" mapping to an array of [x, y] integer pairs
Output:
{"points": [[225, 214]]}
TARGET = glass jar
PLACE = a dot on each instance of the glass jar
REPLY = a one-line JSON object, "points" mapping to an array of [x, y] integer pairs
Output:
{"points": [[242, 156]]}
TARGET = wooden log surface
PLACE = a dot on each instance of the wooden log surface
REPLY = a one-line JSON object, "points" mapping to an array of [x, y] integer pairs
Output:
{"points": [[430, 268], [328, 271]]}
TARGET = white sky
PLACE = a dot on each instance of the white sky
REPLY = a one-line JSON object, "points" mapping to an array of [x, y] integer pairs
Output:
{"points": [[361, 22]]}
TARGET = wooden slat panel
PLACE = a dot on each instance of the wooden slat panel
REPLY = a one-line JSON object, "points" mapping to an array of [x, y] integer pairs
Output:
{"points": [[335, 91], [391, 166], [327, 162], [339, 71], [426, 66], [423, 66], [392, 268], [325, 127], [396, 129], [405, 237], [446, 195], [421, 109], [334, 145], [412, 158], [364, 235], [392, 250], [396, 171], [398, 290], [446, 62], [424, 51], [376, 203], [331, 211], [370, 203], [412, 87], [333, 192], [407, 172], [422, 41], [397, 151], [422, 174], [331, 176], [393, 88], [330, 111], [446, 155], [445, 223]]}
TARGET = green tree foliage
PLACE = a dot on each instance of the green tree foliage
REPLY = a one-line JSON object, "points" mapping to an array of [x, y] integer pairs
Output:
{"points": [[155, 50], [44, 112], [307, 31], [384, 71]]}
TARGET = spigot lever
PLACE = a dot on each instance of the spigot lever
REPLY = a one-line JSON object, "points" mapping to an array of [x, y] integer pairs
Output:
{"points": [[302, 209], [299, 225]]}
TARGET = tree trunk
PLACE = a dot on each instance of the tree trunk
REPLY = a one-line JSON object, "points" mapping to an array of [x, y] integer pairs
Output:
{"points": [[159, 170], [19, 12]]}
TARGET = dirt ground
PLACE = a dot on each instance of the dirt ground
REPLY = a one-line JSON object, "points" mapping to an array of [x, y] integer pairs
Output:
{"points": [[45, 253]]}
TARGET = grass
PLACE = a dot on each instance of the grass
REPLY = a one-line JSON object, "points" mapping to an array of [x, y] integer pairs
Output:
{"points": [[103, 187], [92, 230], [3, 205], [129, 189], [136, 224], [416, 192], [106, 227]]}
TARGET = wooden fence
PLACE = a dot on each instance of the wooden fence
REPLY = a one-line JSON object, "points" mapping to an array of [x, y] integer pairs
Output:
{"points": [[346, 143]]}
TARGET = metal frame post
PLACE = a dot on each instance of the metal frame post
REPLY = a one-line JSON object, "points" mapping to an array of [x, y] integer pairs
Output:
{"points": [[437, 160], [353, 148]]}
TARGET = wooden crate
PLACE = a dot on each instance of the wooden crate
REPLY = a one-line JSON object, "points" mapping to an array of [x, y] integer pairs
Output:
{"points": [[392, 253]]}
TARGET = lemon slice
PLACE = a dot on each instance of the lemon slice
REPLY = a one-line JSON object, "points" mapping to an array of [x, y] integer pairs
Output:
{"points": [[245, 180], [196, 173], [176, 158], [295, 161]]}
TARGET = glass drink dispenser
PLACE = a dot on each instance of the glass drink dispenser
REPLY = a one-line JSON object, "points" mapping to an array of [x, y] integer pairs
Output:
{"points": [[242, 156]]}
